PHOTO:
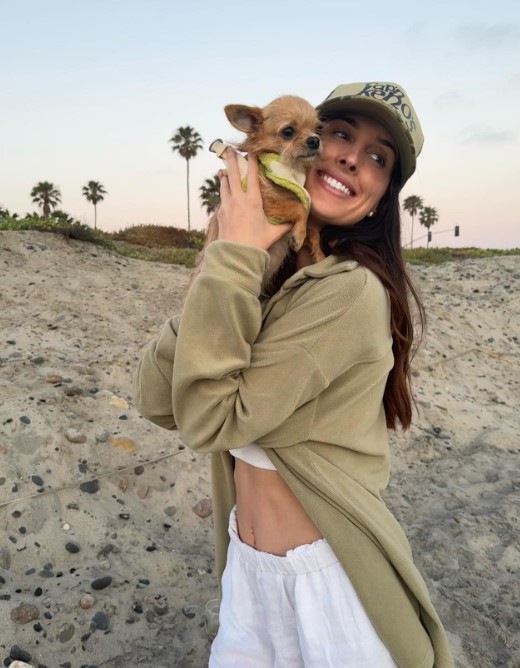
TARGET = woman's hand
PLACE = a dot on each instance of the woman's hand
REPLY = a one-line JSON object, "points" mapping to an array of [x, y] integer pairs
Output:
{"points": [[241, 216]]}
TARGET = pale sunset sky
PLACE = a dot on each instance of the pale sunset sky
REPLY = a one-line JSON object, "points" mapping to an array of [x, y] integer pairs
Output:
{"points": [[94, 91]]}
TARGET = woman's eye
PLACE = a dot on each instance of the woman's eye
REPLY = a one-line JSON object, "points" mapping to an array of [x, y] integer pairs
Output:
{"points": [[378, 158], [287, 132], [341, 134]]}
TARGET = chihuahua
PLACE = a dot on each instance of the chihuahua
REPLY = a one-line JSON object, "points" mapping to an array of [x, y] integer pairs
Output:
{"points": [[284, 136]]}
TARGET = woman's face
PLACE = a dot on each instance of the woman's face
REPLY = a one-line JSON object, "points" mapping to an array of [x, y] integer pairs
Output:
{"points": [[352, 172]]}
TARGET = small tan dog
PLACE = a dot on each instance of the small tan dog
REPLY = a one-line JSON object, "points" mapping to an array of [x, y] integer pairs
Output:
{"points": [[284, 136]]}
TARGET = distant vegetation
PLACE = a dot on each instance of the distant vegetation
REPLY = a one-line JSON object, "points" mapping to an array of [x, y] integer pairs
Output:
{"points": [[440, 255], [157, 243], [58, 222], [154, 243], [172, 245]]}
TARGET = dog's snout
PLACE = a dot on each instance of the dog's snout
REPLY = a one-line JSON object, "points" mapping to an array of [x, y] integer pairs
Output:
{"points": [[313, 143]]}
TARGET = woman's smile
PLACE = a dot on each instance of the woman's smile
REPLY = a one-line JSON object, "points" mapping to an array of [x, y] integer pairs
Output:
{"points": [[336, 186]]}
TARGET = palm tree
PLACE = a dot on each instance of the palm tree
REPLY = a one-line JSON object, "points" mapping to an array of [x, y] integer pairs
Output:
{"points": [[413, 204], [428, 217], [188, 143], [94, 192], [46, 195], [210, 194]]}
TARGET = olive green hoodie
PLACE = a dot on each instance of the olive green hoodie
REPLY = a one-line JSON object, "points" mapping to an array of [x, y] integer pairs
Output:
{"points": [[302, 375]]}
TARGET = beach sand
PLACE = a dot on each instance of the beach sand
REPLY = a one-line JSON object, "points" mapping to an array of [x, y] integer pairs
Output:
{"points": [[106, 556]]}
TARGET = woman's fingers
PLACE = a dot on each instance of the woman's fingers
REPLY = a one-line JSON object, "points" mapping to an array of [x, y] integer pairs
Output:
{"points": [[253, 183], [224, 186], [232, 169]]}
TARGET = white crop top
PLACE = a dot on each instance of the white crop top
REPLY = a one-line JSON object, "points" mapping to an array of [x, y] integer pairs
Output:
{"points": [[254, 455]]}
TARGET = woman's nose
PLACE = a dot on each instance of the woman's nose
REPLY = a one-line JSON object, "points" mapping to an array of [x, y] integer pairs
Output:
{"points": [[349, 161]]}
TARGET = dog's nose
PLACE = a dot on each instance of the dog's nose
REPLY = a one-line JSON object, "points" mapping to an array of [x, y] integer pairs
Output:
{"points": [[313, 143]]}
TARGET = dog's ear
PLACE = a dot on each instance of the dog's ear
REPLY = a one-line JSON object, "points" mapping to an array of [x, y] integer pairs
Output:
{"points": [[245, 119]]}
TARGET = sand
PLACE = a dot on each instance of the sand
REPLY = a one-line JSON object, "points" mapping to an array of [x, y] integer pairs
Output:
{"points": [[91, 493]]}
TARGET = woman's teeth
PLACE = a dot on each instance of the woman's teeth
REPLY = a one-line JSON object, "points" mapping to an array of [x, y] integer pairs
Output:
{"points": [[335, 184]]}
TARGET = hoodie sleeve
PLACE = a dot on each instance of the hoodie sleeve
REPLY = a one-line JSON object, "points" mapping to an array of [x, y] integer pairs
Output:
{"points": [[153, 377]]}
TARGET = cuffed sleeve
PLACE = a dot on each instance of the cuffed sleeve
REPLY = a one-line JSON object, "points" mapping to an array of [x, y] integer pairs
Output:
{"points": [[153, 377]]}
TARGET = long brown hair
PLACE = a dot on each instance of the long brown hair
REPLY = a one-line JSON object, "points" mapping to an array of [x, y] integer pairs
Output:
{"points": [[376, 244]]}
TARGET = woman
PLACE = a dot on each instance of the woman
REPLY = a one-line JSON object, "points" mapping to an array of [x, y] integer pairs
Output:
{"points": [[293, 395]]}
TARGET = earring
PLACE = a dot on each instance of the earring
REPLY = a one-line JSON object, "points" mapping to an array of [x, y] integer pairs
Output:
{"points": [[371, 214]]}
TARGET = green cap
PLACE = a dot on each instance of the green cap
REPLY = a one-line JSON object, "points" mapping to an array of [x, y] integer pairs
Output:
{"points": [[386, 103]]}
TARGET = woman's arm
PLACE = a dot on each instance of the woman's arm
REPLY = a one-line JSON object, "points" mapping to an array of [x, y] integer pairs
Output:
{"points": [[153, 377]]}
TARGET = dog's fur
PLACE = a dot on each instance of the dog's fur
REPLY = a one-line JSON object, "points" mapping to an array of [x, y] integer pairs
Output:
{"points": [[288, 126]]}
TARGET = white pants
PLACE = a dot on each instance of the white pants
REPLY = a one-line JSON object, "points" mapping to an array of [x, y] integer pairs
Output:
{"points": [[297, 611]]}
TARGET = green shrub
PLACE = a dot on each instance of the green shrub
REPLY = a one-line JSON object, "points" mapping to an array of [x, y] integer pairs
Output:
{"points": [[59, 225], [184, 256], [440, 255], [160, 236]]}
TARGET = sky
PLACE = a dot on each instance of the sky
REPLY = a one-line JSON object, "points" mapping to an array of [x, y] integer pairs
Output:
{"points": [[95, 90]]}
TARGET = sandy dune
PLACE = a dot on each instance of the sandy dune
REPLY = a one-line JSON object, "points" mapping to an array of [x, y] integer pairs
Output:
{"points": [[93, 495]]}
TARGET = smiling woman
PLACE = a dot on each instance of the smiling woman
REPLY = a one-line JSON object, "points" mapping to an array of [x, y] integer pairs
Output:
{"points": [[353, 173], [293, 396]]}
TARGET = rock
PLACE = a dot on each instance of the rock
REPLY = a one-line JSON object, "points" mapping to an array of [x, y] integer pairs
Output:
{"points": [[75, 436], [160, 608], [37, 480], [90, 487], [86, 601], [102, 435], [123, 443], [17, 652], [54, 378], [20, 664], [45, 573], [101, 583], [203, 508], [72, 547], [66, 633], [170, 511], [101, 621], [38, 360], [139, 470], [25, 420], [123, 484], [142, 491], [73, 391], [189, 611], [5, 558], [119, 402], [24, 614]]}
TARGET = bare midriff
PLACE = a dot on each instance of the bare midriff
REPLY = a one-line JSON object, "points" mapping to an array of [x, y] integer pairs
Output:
{"points": [[270, 518]]}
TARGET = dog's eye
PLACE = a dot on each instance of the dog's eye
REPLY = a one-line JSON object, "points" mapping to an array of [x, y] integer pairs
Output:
{"points": [[287, 132]]}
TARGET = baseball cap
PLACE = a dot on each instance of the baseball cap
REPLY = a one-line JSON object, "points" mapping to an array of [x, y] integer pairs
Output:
{"points": [[386, 103]]}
